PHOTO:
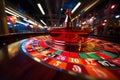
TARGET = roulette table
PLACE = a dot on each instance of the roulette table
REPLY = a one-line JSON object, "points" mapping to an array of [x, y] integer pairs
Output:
{"points": [[91, 59]]}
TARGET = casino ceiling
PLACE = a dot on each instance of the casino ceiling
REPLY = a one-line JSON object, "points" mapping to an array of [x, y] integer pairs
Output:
{"points": [[54, 9]]}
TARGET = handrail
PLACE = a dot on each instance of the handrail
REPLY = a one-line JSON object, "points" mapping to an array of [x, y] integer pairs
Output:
{"points": [[10, 38]]}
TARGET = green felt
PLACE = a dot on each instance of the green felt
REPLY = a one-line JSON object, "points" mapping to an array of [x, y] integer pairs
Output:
{"points": [[109, 54], [94, 56], [58, 52], [83, 55]]}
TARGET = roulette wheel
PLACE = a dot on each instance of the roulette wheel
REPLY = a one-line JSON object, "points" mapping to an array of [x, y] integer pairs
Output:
{"points": [[93, 59], [70, 50]]}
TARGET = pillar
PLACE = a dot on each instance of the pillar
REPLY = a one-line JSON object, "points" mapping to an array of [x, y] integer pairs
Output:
{"points": [[3, 19]]}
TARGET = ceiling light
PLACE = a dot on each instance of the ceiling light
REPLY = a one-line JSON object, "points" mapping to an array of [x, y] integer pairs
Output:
{"points": [[78, 4], [43, 22], [31, 22], [90, 6], [14, 13], [41, 9], [11, 13], [26, 24]]}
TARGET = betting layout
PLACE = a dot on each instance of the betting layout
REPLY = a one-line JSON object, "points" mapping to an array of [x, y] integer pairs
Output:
{"points": [[104, 63]]}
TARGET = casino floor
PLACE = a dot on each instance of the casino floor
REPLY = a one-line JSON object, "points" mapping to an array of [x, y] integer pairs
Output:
{"points": [[59, 40]]}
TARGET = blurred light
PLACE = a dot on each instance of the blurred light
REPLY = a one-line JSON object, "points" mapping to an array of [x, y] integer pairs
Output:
{"points": [[26, 24], [12, 19], [43, 22], [79, 15], [105, 20], [41, 9], [40, 26], [61, 25], [20, 11], [117, 16], [103, 24], [78, 4], [66, 19], [25, 19], [13, 49], [31, 26], [31, 22], [59, 42], [8, 23], [15, 25], [91, 19], [37, 59], [75, 17], [15, 13], [79, 25], [55, 25], [84, 22], [113, 6], [45, 27], [10, 11], [89, 6], [61, 9], [95, 18]]}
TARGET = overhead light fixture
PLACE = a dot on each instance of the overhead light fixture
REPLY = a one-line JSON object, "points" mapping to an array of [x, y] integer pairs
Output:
{"points": [[25, 24], [75, 17], [90, 6], [11, 13], [43, 22], [31, 22], [41, 9], [78, 4], [17, 15], [14, 13]]}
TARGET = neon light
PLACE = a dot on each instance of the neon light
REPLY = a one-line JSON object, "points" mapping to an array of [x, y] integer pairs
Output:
{"points": [[41, 9], [78, 4], [43, 22]]}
